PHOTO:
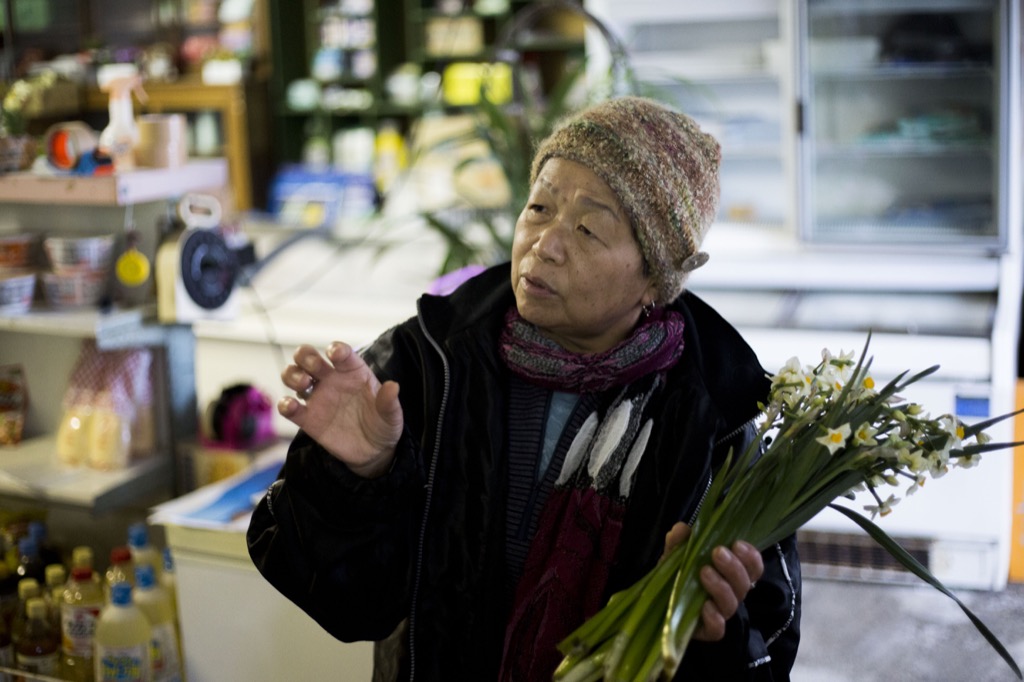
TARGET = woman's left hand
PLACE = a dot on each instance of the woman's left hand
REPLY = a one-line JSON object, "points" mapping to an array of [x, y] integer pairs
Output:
{"points": [[727, 579]]}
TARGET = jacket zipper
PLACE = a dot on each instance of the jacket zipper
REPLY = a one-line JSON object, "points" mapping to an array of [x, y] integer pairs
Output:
{"points": [[711, 477], [430, 494]]}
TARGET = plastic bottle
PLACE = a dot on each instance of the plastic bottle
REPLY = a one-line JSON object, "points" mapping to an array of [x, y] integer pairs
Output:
{"points": [[119, 138], [120, 570], [123, 636], [30, 564], [37, 650], [169, 579], [152, 599], [53, 591], [79, 611], [8, 594], [390, 155], [143, 552], [28, 588], [83, 556], [6, 649], [47, 552]]}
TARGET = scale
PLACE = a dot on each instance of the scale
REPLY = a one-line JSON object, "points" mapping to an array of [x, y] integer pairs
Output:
{"points": [[196, 270]]}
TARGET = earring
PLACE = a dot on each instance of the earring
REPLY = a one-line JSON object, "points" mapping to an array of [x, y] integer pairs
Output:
{"points": [[646, 309]]}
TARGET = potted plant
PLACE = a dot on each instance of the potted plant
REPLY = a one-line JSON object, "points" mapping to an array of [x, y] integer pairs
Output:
{"points": [[17, 147], [503, 135]]}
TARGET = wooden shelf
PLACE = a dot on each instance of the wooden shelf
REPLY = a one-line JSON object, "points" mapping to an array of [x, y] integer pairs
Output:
{"points": [[31, 470], [190, 95], [120, 189]]}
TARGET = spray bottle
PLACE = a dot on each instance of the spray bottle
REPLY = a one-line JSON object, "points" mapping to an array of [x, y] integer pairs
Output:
{"points": [[119, 138]]}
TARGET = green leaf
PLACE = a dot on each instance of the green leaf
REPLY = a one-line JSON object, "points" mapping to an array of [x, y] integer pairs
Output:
{"points": [[972, 429], [979, 448], [913, 565]]}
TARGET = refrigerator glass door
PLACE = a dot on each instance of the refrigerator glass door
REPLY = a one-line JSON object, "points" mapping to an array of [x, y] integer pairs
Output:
{"points": [[902, 137]]}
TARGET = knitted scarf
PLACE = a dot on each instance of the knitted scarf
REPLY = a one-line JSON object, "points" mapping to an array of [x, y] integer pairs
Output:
{"points": [[655, 345], [570, 557]]}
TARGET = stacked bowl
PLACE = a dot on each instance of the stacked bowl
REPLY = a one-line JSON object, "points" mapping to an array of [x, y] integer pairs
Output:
{"points": [[80, 267]]}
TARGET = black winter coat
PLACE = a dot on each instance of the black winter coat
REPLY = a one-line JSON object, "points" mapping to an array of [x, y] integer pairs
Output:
{"points": [[419, 552]]}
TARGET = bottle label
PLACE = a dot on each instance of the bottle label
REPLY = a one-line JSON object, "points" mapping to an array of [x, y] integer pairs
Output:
{"points": [[78, 628], [122, 663], [164, 654], [45, 664]]}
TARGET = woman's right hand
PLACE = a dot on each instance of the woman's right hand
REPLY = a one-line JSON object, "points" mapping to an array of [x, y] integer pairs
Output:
{"points": [[342, 406]]}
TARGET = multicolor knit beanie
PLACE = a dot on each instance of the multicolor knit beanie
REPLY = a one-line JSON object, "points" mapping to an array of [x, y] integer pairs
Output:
{"points": [[663, 169]]}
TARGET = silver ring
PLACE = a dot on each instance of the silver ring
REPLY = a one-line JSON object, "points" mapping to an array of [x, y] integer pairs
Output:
{"points": [[753, 585], [308, 391]]}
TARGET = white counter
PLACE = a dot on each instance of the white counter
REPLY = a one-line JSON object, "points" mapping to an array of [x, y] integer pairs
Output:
{"points": [[234, 624]]}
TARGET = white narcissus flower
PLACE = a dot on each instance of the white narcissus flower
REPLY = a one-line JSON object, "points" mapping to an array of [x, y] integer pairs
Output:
{"points": [[866, 389], [968, 461], [915, 460], [954, 427], [884, 508], [835, 438], [919, 482], [865, 435]]}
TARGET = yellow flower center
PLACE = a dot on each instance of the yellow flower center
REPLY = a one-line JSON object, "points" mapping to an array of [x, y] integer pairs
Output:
{"points": [[960, 432], [869, 382], [836, 437]]}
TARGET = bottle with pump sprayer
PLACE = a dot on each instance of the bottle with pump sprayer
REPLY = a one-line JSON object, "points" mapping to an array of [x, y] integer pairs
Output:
{"points": [[119, 138]]}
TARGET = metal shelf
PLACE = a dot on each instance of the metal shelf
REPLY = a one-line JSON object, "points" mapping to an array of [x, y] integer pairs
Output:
{"points": [[31, 470]]}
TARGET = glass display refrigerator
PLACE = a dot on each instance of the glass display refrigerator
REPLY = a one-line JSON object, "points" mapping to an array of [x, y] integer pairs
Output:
{"points": [[871, 183], [902, 122]]}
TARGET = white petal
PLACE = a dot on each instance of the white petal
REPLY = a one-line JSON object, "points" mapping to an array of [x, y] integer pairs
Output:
{"points": [[612, 430], [578, 449], [633, 460]]}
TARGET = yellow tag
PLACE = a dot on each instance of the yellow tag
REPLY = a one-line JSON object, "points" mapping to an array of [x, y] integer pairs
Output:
{"points": [[132, 268]]}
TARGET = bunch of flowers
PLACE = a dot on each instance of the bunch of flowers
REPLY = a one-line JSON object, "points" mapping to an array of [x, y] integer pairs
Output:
{"points": [[17, 98], [830, 431]]}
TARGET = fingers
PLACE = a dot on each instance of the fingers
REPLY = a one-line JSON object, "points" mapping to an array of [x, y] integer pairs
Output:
{"points": [[751, 560], [676, 535], [307, 368], [730, 576], [387, 404], [310, 367]]}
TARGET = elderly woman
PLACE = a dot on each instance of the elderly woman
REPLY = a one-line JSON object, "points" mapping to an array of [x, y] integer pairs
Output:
{"points": [[559, 421]]}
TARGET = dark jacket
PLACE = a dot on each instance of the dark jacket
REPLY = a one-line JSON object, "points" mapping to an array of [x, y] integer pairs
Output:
{"points": [[422, 545]]}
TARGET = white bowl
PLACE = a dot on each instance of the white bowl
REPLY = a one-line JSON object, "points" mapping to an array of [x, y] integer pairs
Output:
{"points": [[79, 254], [16, 289]]}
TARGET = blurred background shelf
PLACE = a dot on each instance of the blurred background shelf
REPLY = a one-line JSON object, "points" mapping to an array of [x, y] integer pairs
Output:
{"points": [[121, 189], [30, 470]]}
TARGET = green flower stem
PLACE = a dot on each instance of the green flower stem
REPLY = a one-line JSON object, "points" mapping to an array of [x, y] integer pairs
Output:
{"points": [[636, 648], [652, 598], [605, 623], [588, 669]]}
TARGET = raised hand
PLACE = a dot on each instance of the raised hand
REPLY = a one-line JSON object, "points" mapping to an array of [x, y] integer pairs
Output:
{"points": [[342, 406]]}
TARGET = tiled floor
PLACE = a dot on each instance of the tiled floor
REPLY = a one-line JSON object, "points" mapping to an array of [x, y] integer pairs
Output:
{"points": [[860, 632]]}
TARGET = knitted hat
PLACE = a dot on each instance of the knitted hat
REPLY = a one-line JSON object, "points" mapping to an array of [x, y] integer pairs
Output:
{"points": [[663, 170]]}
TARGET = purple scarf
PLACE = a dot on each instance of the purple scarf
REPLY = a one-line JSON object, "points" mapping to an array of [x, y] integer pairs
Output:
{"points": [[655, 345]]}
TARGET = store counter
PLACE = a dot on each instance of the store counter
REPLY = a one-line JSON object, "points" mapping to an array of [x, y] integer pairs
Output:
{"points": [[234, 624]]}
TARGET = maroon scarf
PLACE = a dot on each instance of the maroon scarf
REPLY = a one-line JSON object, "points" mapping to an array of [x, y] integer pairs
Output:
{"points": [[570, 557]]}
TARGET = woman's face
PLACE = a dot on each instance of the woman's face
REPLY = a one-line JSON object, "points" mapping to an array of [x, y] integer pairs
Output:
{"points": [[577, 270]]}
